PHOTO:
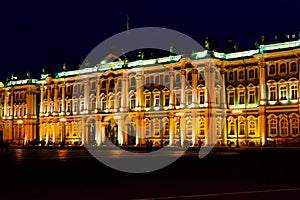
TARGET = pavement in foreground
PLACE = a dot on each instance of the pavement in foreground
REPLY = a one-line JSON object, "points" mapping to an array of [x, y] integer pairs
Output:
{"points": [[223, 174]]}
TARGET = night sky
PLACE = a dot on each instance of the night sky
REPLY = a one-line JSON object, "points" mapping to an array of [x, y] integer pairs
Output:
{"points": [[49, 33]]}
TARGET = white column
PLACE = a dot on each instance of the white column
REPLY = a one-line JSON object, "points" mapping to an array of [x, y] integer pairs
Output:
{"points": [[86, 96], [63, 96], [120, 131], [182, 129], [55, 99], [183, 96], [172, 94], [262, 83], [42, 99], [194, 88], [139, 91], [195, 128], [98, 96]]}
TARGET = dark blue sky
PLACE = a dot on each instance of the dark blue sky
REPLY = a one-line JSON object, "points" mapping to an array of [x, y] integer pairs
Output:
{"points": [[48, 33]]}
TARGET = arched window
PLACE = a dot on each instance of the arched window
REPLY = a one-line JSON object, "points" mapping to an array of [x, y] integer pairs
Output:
{"points": [[231, 127], [157, 127], [295, 126], [103, 103], [282, 68], [189, 76], [202, 126], [283, 92], [189, 97], [272, 93], [294, 92], [272, 70], [166, 99], [201, 96], [283, 126], [293, 67], [112, 83], [273, 127], [242, 128], [252, 127], [112, 102], [132, 101], [166, 128], [241, 75]]}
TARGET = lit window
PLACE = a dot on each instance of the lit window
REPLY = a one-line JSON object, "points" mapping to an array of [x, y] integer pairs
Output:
{"points": [[242, 97], [156, 128], [202, 127], [68, 106], [189, 98], [242, 128], [273, 126], [189, 128], [295, 126], [81, 106], [166, 127], [284, 126], [283, 92], [147, 133], [294, 91], [272, 93], [252, 127], [103, 103], [132, 102]]}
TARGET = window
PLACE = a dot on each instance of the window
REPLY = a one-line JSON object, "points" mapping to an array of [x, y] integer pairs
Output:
{"points": [[242, 128], [132, 82], [167, 99], [189, 98], [282, 68], [166, 79], [242, 97], [156, 100], [252, 127], [166, 127], [132, 102], [93, 104], [68, 106], [241, 75], [103, 84], [272, 93], [295, 126], [273, 127], [189, 128], [103, 103], [231, 98], [272, 70], [294, 91], [189, 76], [284, 126], [147, 133], [177, 80], [177, 99], [148, 101], [81, 106], [112, 102], [156, 128], [251, 74], [93, 85], [232, 128], [230, 76], [293, 67], [202, 127], [251, 96], [201, 97], [75, 106], [112, 83], [283, 92]]}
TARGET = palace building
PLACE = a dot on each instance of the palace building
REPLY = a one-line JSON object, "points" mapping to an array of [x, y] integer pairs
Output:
{"points": [[246, 98]]}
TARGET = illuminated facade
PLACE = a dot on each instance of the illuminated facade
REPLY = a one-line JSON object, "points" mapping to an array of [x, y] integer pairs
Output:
{"points": [[254, 99]]}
